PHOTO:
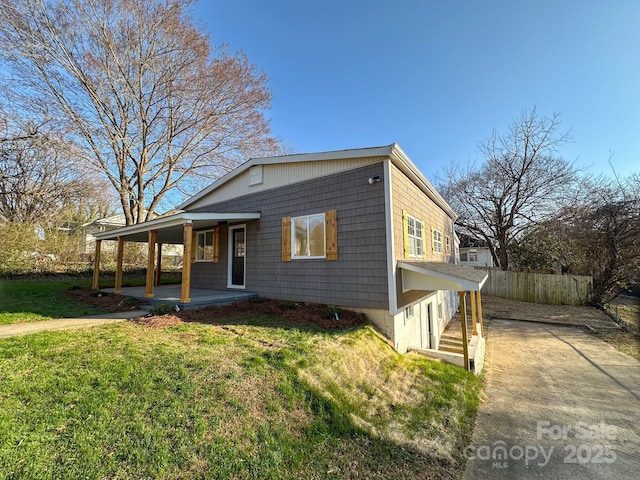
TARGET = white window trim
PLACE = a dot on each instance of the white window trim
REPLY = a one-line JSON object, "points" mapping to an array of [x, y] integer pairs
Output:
{"points": [[436, 242], [213, 239], [419, 239], [230, 283], [293, 237]]}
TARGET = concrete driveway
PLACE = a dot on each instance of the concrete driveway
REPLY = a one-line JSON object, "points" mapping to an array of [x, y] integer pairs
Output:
{"points": [[560, 404]]}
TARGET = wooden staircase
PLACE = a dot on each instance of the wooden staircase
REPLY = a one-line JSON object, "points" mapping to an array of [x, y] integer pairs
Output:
{"points": [[451, 343]]}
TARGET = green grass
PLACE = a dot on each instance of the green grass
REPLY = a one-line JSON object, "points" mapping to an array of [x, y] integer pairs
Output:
{"points": [[32, 301], [22, 301], [252, 399]]}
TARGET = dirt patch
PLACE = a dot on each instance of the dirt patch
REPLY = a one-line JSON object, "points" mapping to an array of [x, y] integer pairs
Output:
{"points": [[292, 313], [159, 321], [108, 302], [592, 320], [496, 307]]}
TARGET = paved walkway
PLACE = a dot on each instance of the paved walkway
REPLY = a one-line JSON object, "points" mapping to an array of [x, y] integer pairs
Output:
{"points": [[560, 404], [66, 323]]}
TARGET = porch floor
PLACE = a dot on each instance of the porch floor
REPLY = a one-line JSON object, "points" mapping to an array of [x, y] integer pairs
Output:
{"points": [[200, 297]]}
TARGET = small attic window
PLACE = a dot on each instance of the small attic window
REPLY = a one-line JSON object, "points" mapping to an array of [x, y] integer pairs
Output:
{"points": [[255, 175]]}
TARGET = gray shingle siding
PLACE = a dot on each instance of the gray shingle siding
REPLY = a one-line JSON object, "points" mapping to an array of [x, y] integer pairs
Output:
{"points": [[357, 279]]}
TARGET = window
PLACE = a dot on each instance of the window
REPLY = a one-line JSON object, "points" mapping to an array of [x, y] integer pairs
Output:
{"points": [[204, 246], [414, 234], [448, 241], [473, 255], [408, 312], [308, 236], [464, 257], [436, 239]]}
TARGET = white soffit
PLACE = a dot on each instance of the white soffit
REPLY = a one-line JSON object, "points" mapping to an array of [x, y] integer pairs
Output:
{"points": [[440, 276]]}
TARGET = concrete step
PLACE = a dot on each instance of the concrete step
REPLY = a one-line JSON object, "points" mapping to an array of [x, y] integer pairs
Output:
{"points": [[450, 349], [453, 338]]}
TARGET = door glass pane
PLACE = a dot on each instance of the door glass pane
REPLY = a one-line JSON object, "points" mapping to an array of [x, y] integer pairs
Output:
{"points": [[238, 244]]}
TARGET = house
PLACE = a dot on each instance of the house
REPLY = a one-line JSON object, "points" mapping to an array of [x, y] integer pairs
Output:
{"points": [[361, 229], [100, 225], [474, 252], [171, 253]]}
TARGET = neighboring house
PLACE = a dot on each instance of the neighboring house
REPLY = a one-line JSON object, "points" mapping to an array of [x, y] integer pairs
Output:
{"points": [[361, 229], [101, 225], [474, 252]]}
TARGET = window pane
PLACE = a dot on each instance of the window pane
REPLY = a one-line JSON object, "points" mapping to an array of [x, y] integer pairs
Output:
{"points": [[316, 235], [208, 246], [300, 237], [200, 246]]}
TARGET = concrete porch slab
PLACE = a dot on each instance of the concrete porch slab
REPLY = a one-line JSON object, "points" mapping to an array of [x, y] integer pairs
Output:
{"points": [[200, 297]]}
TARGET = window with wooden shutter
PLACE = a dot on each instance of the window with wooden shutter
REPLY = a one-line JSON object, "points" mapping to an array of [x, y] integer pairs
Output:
{"points": [[424, 241], [331, 232], [286, 239], [436, 240], [414, 236]]}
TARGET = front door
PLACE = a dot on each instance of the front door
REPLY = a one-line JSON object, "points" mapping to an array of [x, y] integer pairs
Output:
{"points": [[237, 256]]}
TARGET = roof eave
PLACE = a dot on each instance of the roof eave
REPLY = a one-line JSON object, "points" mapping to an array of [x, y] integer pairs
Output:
{"points": [[383, 151]]}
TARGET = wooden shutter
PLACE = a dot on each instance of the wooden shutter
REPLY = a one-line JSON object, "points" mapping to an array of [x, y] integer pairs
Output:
{"points": [[331, 232], [286, 239], [405, 229], [216, 244]]}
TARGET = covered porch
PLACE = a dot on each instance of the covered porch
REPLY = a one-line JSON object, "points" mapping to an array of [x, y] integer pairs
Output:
{"points": [[180, 228], [200, 297], [468, 350]]}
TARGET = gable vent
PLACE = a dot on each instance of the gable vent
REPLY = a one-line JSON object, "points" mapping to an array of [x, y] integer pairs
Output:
{"points": [[255, 175]]}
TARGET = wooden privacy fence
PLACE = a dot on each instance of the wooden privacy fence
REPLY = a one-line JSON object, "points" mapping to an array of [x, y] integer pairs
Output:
{"points": [[539, 287]]}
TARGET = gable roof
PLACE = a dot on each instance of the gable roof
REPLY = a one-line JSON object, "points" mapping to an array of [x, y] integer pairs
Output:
{"points": [[393, 152], [468, 241]]}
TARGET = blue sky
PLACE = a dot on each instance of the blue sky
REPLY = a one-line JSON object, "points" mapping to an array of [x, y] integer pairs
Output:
{"points": [[438, 76]]}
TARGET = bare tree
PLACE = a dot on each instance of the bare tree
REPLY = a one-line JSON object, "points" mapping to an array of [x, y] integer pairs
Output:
{"points": [[521, 182], [38, 178], [155, 110], [603, 234]]}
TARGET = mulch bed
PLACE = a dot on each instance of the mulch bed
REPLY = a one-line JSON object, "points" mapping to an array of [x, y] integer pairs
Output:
{"points": [[104, 301], [292, 314]]}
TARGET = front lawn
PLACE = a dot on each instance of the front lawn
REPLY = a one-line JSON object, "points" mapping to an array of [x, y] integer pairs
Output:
{"points": [[22, 301], [251, 396]]}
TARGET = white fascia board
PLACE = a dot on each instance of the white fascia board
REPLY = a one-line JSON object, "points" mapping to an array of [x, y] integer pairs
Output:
{"points": [[391, 250], [172, 221], [402, 161], [384, 151], [421, 278]]}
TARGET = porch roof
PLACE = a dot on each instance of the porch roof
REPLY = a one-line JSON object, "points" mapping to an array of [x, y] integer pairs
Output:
{"points": [[440, 276], [170, 229]]}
